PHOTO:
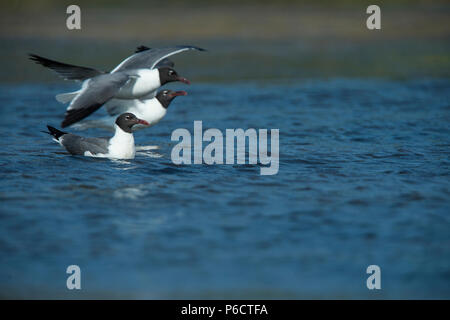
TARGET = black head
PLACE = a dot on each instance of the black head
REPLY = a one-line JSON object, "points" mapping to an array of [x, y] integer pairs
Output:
{"points": [[170, 75], [165, 97], [127, 120]]}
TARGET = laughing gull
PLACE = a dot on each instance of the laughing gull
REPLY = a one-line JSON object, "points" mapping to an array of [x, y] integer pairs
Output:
{"points": [[120, 146], [138, 76], [151, 110]]}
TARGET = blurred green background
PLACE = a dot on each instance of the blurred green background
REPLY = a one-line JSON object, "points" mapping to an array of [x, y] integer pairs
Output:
{"points": [[247, 40]]}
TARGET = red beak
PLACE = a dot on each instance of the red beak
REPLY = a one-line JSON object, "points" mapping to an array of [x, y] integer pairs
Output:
{"points": [[184, 80], [178, 93], [145, 123]]}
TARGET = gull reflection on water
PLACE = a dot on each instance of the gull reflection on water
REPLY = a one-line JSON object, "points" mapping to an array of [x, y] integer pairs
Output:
{"points": [[140, 151], [145, 151], [123, 162], [132, 193]]}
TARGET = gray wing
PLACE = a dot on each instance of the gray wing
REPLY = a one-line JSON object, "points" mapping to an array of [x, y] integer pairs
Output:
{"points": [[79, 145], [149, 58], [66, 71], [93, 95], [166, 62]]}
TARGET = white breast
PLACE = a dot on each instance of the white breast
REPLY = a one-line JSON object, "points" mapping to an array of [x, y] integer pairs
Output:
{"points": [[145, 82], [121, 146], [149, 110]]}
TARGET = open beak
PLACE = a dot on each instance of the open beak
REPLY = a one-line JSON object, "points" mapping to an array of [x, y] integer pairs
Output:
{"points": [[184, 80], [178, 93], [145, 123]]}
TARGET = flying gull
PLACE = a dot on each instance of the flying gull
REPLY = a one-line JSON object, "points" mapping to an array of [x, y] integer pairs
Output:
{"points": [[138, 76]]}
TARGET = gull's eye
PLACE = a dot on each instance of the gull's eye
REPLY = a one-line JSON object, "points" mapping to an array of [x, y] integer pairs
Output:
{"points": [[171, 72], [127, 117]]}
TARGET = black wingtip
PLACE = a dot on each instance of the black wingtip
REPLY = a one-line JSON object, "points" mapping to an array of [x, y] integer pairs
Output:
{"points": [[41, 60], [35, 58], [67, 122], [74, 115], [141, 48]]}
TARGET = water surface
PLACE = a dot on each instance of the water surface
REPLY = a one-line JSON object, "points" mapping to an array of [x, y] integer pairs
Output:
{"points": [[363, 179]]}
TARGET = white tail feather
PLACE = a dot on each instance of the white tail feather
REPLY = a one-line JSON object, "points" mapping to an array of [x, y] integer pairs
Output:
{"points": [[67, 97]]}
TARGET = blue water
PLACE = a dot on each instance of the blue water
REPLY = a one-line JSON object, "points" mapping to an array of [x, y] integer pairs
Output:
{"points": [[363, 179]]}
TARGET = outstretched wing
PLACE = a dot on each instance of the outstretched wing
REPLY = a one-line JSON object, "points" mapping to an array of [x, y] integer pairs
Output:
{"points": [[149, 58], [166, 62], [93, 95], [66, 71]]}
